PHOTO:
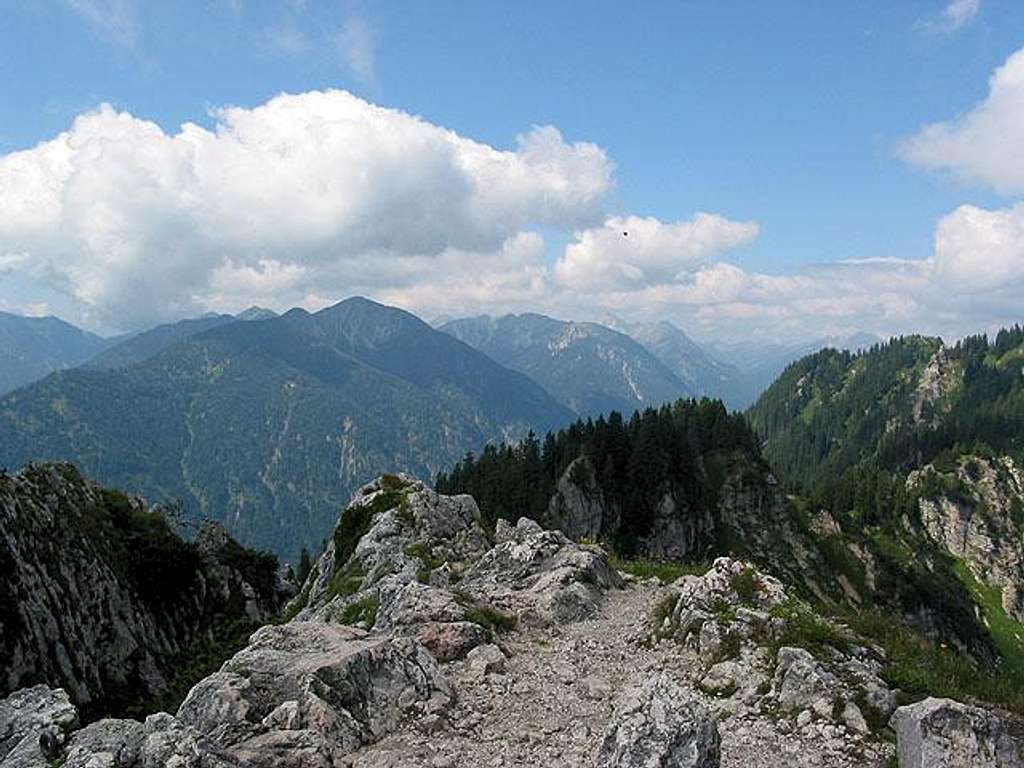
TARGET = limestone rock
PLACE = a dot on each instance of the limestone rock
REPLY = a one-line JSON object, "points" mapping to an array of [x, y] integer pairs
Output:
{"points": [[936, 733], [79, 616], [342, 687], [541, 576], [28, 714], [654, 725]]}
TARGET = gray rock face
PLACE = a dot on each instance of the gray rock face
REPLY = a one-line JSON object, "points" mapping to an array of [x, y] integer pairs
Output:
{"points": [[936, 733], [74, 615], [162, 741], [983, 530], [578, 508], [307, 693], [541, 577], [412, 531], [27, 715], [655, 726]]}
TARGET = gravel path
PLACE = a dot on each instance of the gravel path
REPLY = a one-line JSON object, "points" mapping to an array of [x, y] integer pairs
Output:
{"points": [[551, 705]]}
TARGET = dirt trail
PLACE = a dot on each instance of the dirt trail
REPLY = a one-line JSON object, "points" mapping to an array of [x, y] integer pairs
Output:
{"points": [[552, 703]]}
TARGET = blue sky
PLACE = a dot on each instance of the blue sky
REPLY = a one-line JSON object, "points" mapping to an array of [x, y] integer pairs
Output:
{"points": [[792, 118]]}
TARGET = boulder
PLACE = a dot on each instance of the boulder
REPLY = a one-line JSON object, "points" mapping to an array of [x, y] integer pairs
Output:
{"points": [[448, 641], [305, 694], [801, 682], [541, 576], [161, 741], [30, 718], [935, 733], [655, 725]]}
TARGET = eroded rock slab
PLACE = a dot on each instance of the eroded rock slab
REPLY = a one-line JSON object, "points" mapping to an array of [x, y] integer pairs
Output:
{"points": [[656, 725], [305, 694], [936, 733]]}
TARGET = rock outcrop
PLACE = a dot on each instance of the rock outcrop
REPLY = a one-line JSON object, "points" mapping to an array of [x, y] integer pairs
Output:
{"points": [[981, 521], [936, 733], [411, 562], [34, 725], [734, 614], [99, 596], [656, 725], [308, 693]]}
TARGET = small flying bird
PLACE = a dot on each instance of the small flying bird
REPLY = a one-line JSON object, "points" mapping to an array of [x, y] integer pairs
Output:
{"points": [[625, 234]]}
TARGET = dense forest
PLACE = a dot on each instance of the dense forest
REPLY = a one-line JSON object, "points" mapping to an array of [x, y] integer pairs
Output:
{"points": [[681, 445], [893, 408]]}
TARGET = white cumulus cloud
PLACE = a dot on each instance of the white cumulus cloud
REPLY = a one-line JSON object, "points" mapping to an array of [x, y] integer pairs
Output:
{"points": [[633, 251], [986, 145], [320, 190]]}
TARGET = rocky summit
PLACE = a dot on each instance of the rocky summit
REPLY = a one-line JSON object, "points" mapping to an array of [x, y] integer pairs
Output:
{"points": [[422, 637]]}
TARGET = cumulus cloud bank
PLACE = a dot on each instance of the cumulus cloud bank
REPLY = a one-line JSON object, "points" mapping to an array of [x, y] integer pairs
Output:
{"points": [[313, 197], [318, 192]]}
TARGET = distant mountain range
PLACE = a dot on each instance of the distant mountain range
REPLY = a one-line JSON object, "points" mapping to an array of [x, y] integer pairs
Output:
{"points": [[269, 425], [589, 368], [702, 373], [32, 347]]}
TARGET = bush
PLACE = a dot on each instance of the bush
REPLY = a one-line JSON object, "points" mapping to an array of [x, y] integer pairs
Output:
{"points": [[745, 585]]}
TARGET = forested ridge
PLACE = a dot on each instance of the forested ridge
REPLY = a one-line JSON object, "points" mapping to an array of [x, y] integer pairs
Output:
{"points": [[895, 407], [683, 445]]}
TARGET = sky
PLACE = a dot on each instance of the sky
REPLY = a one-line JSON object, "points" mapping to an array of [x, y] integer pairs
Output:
{"points": [[776, 171]]}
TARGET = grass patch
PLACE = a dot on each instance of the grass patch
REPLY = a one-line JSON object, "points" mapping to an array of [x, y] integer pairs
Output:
{"points": [[486, 616], [806, 629], [921, 667], [1007, 634], [665, 571], [356, 519], [362, 612]]}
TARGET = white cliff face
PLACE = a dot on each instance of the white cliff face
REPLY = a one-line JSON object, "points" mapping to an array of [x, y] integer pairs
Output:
{"points": [[73, 611], [981, 522]]}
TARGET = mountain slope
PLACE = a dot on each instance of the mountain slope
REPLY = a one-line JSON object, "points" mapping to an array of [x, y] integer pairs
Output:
{"points": [[32, 347], [896, 406], [703, 374], [100, 596], [760, 363], [140, 346], [269, 425], [588, 367]]}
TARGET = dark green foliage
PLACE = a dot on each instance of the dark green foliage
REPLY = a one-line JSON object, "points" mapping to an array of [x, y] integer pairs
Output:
{"points": [[836, 410], [363, 612], [357, 520], [919, 666], [805, 628], [305, 566], [845, 430], [259, 569], [167, 580], [745, 585], [153, 558], [680, 447]]}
